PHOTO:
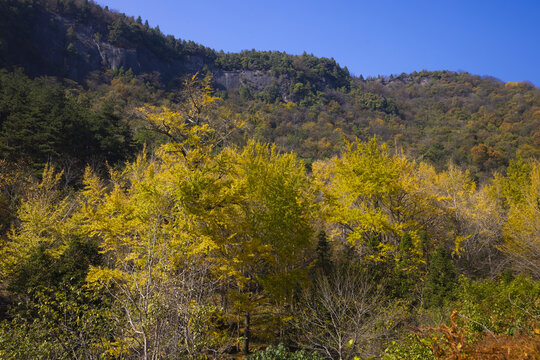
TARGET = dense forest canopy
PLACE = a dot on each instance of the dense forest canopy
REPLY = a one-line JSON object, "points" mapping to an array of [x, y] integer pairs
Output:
{"points": [[178, 202]]}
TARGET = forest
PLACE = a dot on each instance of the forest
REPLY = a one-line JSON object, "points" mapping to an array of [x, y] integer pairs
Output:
{"points": [[324, 216], [202, 248]]}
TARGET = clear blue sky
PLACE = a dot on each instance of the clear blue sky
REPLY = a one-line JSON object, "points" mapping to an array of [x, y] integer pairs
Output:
{"points": [[500, 38]]}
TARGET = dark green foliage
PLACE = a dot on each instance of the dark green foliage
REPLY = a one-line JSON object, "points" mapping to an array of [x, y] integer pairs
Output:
{"points": [[402, 283], [282, 353], [245, 93], [6, 215], [117, 30], [441, 279], [271, 94], [433, 152], [65, 323], [405, 246], [42, 270], [404, 279], [324, 261], [40, 122], [54, 315], [507, 276], [375, 102], [425, 246]]}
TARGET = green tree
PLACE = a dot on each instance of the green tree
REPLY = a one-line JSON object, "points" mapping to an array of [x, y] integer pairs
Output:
{"points": [[324, 261], [441, 279]]}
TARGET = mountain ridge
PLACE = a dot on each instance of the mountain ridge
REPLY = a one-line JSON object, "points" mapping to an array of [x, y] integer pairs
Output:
{"points": [[303, 103], [74, 43]]}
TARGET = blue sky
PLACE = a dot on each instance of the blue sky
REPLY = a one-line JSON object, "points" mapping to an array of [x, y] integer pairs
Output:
{"points": [[496, 38]]}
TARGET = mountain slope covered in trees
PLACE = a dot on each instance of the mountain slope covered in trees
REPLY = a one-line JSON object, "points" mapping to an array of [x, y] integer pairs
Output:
{"points": [[303, 103], [159, 199]]}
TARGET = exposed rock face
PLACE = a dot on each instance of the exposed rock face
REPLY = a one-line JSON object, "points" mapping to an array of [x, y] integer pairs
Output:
{"points": [[257, 80], [60, 47], [57, 46]]}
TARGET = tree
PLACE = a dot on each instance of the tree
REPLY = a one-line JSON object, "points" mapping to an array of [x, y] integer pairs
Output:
{"points": [[150, 258], [340, 316], [358, 182], [476, 219], [196, 202], [15, 180], [157, 266], [46, 221], [324, 261], [372, 197], [44, 262], [117, 30], [259, 230], [522, 229], [64, 322], [195, 124], [441, 279]]}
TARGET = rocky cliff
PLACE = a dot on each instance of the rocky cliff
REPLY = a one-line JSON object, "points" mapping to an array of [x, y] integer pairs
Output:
{"points": [[74, 39], [58, 46], [55, 45]]}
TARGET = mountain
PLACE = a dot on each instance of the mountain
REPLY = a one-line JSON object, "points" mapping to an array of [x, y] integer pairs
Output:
{"points": [[73, 39], [159, 199], [303, 103]]}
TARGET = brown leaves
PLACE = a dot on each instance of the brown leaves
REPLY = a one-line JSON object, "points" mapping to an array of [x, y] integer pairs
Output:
{"points": [[453, 342]]}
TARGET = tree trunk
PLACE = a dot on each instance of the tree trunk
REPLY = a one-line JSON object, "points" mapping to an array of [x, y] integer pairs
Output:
{"points": [[247, 334]]}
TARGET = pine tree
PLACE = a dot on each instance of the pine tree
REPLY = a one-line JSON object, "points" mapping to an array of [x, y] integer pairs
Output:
{"points": [[324, 263], [441, 278]]}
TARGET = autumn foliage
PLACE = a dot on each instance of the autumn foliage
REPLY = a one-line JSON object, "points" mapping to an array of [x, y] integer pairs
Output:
{"points": [[204, 249], [452, 342]]}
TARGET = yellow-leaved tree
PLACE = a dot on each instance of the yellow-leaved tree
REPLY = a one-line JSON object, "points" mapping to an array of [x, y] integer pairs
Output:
{"points": [[473, 217], [267, 229], [253, 209], [196, 218], [522, 228], [157, 264], [45, 220], [374, 198]]}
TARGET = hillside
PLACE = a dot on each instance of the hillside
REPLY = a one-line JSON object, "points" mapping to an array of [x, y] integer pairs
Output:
{"points": [[161, 200], [73, 39], [303, 103]]}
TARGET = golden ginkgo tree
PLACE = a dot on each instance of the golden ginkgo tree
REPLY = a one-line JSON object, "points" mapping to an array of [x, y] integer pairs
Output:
{"points": [[372, 198], [522, 228]]}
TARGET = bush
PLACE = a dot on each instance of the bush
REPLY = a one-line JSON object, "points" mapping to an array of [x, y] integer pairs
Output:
{"points": [[411, 347], [502, 306], [282, 353]]}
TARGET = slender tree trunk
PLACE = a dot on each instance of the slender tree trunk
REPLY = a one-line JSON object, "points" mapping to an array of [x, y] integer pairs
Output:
{"points": [[145, 344], [247, 334]]}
